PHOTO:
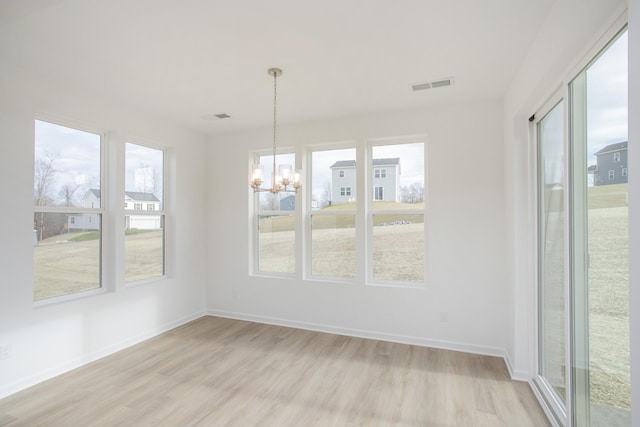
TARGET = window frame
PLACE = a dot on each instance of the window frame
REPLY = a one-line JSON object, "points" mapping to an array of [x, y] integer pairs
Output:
{"points": [[309, 213], [101, 211], [255, 213], [162, 211], [370, 212]]}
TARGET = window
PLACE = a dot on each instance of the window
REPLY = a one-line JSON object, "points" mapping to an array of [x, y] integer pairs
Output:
{"points": [[612, 174], [378, 193], [144, 237], [397, 214], [332, 223], [274, 224], [380, 173], [624, 172], [67, 211], [616, 156]]}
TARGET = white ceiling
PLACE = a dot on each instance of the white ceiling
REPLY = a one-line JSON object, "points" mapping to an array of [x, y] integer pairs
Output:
{"points": [[185, 59]]}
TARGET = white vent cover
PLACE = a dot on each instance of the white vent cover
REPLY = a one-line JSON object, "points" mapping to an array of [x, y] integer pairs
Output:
{"points": [[215, 116], [432, 84]]}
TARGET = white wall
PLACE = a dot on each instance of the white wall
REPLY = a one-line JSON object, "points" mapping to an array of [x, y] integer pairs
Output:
{"points": [[634, 203], [45, 341], [465, 236], [571, 29]]}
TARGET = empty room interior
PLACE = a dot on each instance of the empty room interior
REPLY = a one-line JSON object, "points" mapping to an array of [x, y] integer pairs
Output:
{"points": [[406, 213]]}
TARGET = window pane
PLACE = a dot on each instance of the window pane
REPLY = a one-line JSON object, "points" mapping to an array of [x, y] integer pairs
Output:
{"points": [[333, 245], [144, 248], [144, 234], [66, 253], [283, 201], [397, 175], [276, 244], [66, 166], [333, 178], [551, 288], [144, 177], [398, 247]]}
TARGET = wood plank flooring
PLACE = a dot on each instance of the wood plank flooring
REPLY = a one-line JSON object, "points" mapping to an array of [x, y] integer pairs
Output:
{"points": [[222, 372]]}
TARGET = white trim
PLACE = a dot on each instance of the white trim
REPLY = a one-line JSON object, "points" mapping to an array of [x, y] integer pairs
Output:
{"points": [[362, 333], [9, 389]]}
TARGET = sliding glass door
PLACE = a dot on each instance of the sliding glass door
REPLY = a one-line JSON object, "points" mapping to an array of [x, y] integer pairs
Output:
{"points": [[599, 255], [583, 362]]}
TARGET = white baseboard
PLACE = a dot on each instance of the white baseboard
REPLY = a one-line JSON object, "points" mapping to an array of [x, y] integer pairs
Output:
{"points": [[7, 390], [517, 375], [360, 333]]}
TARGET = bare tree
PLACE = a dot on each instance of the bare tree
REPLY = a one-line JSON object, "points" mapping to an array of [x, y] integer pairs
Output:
{"points": [[44, 176], [67, 193], [413, 193]]}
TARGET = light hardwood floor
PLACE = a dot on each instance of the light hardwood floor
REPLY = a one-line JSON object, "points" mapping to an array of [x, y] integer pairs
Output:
{"points": [[222, 372]]}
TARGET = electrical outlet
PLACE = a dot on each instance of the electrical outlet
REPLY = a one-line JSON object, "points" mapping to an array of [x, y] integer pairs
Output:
{"points": [[5, 352]]}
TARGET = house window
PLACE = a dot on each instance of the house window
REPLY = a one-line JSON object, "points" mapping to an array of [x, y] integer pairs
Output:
{"points": [[332, 245], [67, 178], [396, 219], [612, 174], [380, 173], [624, 172], [144, 234], [378, 193], [345, 191], [616, 156], [274, 231]]}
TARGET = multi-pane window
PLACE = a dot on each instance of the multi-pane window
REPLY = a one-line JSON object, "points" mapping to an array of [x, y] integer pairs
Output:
{"points": [[391, 209], [624, 172], [397, 212], [144, 229], [67, 211], [275, 233], [616, 156], [612, 174], [332, 222]]}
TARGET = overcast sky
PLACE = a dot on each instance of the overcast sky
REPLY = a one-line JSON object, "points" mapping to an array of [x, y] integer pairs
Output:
{"points": [[77, 159]]}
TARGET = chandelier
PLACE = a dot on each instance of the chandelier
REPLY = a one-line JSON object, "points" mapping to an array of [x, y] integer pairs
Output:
{"points": [[286, 176]]}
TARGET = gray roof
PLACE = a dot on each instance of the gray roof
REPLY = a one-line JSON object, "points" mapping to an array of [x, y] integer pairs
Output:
{"points": [[133, 195], [618, 146], [142, 197], [376, 162]]}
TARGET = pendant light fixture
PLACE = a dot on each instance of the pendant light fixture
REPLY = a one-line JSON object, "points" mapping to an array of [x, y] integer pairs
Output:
{"points": [[286, 176]]}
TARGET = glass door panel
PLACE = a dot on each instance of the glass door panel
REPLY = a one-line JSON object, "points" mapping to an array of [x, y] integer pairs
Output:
{"points": [[600, 277], [552, 328]]}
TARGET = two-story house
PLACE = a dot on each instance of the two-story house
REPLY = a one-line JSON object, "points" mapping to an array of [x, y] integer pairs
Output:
{"points": [[385, 180], [133, 200], [611, 165]]}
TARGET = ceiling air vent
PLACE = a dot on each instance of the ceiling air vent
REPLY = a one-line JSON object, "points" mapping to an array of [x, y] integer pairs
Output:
{"points": [[216, 116], [432, 84]]}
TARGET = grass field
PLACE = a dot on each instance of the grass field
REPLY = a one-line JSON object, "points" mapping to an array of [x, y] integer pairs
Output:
{"points": [[69, 262]]}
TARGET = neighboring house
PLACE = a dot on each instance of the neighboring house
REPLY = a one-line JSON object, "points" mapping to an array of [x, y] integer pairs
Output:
{"points": [[288, 203], [385, 180], [611, 165], [133, 200]]}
